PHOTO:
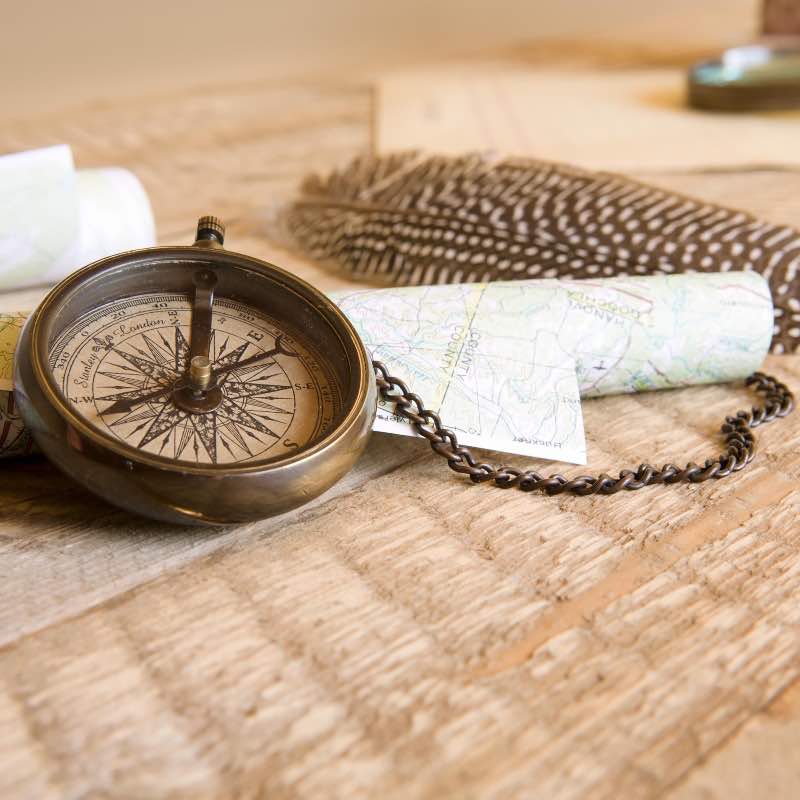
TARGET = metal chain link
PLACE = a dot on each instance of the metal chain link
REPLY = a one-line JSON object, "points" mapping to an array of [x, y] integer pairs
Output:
{"points": [[740, 445]]}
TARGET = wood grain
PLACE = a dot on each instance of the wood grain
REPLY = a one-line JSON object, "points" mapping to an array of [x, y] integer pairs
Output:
{"points": [[761, 760], [408, 635]]}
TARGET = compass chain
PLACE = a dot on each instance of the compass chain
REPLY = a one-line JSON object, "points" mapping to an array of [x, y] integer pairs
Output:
{"points": [[740, 445]]}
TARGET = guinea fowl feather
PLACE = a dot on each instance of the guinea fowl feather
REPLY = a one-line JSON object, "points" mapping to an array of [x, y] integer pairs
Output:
{"points": [[417, 219]]}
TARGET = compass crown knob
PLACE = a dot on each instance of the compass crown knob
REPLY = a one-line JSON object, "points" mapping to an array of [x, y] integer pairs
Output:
{"points": [[210, 228]]}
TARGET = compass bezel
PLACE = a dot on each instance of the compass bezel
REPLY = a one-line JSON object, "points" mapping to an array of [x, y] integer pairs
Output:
{"points": [[86, 451]]}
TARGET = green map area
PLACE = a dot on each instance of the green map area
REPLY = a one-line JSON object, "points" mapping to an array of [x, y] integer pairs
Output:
{"points": [[10, 329], [505, 364]]}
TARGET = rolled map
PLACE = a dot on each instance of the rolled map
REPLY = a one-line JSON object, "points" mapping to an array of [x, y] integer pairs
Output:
{"points": [[505, 364], [54, 218]]}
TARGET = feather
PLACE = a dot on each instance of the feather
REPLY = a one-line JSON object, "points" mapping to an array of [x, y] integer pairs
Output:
{"points": [[415, 219]]}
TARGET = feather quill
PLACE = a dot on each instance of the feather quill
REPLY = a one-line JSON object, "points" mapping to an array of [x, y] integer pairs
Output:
{"points": [[416, 219]]}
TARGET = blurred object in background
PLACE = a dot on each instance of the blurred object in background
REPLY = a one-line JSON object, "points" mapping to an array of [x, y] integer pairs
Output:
{"points": [[756, 77], [763, 76]]}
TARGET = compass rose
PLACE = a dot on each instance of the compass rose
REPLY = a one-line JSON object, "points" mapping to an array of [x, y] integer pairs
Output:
{"points": [[135, 384]]}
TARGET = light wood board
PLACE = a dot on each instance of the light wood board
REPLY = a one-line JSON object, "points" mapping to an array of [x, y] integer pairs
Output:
{"points": [[408, 635], [600, 118]]}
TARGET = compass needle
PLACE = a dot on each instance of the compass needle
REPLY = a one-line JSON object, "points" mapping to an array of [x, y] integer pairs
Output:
{"points": [[127, 378]]}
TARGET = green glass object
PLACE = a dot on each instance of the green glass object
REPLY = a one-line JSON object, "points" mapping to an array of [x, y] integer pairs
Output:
{"points": [[749, 78]]}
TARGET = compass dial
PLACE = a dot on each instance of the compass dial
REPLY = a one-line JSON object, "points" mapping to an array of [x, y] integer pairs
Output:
{"points": [[119, 365]]}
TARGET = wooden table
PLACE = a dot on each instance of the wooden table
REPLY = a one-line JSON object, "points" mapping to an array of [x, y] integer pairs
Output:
{"points": [[408, 635]]}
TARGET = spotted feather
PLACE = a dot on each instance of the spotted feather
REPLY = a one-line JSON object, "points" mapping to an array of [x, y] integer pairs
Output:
{"points": [[414, 219]]}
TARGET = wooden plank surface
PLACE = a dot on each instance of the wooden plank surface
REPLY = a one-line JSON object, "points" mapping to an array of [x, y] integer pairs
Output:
{"points": [[408, 635], [759, 761]]}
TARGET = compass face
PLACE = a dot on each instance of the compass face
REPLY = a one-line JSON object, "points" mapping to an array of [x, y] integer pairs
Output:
{"points": [[118, 367]]}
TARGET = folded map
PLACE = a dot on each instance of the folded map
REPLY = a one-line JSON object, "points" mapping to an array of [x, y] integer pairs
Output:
{"points": [[505, 364]]}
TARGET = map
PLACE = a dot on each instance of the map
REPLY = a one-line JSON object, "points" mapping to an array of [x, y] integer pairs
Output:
{"points": [[14, 439], [505, 364], [10, 329], [39, 227], [56, 218], [472, 352]]}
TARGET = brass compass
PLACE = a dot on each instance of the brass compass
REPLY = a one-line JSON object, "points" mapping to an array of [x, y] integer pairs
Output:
{"points": [[194, 384]]}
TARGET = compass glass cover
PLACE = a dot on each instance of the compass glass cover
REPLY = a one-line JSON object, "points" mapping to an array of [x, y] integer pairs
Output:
{"points": [[120, 364]]}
